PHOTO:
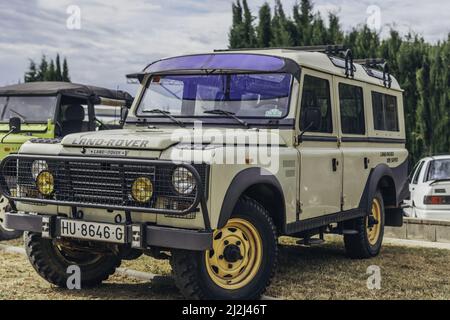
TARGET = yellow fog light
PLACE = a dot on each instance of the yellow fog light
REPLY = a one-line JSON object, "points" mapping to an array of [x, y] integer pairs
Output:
{"points": [[142, 189], [45, 183]]}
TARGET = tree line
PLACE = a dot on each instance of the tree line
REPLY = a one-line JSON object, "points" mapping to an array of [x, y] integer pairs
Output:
{"points": [[47, 70], [421, 68]]}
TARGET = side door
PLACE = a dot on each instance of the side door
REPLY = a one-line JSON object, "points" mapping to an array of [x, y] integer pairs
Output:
{"points": [[320, 157], [353, 136]]}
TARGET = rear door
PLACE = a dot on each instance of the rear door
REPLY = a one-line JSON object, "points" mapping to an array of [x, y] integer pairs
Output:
{"points": [[320, 157], [353, 136]]}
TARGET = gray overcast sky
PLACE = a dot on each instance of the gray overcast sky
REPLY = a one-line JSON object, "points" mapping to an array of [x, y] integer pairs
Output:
{"points": [[119, 37]]}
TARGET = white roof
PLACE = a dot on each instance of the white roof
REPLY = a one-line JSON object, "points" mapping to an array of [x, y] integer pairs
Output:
{"points": [[320, 62], [439, 157]]}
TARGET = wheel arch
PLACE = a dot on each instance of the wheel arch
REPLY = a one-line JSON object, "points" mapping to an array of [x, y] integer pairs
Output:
{"points": [[381, 176], [390, 182], [260, 185]]}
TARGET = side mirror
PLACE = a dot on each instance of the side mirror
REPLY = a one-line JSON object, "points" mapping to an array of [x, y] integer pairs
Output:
{"points": [[123, 115], [313, 119], [15, 125]]}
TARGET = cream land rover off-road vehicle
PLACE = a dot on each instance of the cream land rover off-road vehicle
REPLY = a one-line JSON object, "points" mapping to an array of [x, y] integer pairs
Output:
{"points": [[221, 154]]}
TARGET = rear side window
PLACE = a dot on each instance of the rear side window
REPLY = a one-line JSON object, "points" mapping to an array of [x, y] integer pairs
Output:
{"points": [[352, 109], [316, 94], [385, 112], [417, 173]]}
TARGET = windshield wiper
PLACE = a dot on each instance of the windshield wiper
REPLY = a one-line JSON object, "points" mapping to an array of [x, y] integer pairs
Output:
{"points": [[167, 114], [21, 116], [228, 114]]}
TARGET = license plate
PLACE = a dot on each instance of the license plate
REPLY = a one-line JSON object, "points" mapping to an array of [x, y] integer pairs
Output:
{"points": [[93, 231]]}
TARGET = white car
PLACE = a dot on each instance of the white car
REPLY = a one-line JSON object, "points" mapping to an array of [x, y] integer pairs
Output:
{"points": [[430, 189]]}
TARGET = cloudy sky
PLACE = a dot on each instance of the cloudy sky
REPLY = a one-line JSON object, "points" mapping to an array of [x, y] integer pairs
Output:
{"points": [[117, 37]]}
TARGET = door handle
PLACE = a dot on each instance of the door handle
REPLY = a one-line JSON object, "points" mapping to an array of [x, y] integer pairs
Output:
{"points": [[366, 163], [334, 164]]}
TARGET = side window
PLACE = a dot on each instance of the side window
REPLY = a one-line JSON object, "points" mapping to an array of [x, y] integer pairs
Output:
{"points": [[417, 173], [385, 112], [316, 94], [352, 109]]}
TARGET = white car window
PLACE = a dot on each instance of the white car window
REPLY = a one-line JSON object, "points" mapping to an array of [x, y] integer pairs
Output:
{"points": [[438, 170]]}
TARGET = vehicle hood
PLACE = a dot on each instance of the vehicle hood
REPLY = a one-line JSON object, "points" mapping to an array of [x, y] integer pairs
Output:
{"points": [[161, 139]]}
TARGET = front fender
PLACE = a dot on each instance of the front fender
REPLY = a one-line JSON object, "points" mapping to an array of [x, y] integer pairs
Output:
{"points": [[240, 183]]}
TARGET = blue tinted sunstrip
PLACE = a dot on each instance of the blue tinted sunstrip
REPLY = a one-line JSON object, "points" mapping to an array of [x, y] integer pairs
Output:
{"points": [[246, 62]]}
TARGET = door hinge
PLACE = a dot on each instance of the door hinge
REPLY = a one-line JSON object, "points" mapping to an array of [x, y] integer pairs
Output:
{"points": [[342, 202]]}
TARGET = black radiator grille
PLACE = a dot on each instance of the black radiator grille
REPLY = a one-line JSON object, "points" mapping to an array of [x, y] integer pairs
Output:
{"points": [[99, 182]]}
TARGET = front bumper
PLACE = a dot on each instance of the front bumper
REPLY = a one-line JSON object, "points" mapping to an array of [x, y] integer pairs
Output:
{"points": [[139, 236]]}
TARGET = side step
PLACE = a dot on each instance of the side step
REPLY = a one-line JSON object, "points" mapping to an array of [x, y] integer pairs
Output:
{"points": [[350, 232]]}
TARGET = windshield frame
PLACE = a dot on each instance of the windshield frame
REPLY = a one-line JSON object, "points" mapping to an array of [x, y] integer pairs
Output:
{"points": [[252, 120], [31, 122]]}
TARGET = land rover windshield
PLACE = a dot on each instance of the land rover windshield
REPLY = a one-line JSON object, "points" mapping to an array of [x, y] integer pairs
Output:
{"points": [[31, 109], [205, 86]]}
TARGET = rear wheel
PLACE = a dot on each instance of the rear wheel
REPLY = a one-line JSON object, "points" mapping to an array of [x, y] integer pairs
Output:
{"points": [[367, 243], [51, 259], [241, 263]]}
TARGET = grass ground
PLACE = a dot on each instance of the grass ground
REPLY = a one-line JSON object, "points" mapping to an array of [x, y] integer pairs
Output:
{"points": [[321, 272]]}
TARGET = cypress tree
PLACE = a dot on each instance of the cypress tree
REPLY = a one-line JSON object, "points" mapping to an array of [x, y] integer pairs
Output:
{"points": [[264, 29], [65, 71], [58, 72], [236, 32], [249, 36]]}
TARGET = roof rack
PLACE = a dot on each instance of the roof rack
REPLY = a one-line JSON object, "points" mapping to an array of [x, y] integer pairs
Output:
{"points": [[328, 49], [374, 63]]}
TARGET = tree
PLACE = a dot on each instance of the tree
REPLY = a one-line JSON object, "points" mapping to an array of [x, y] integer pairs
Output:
{"points": [[32, 74], [249, 36], [47, 71], [237, 29], [264, 29], [51, 72], [420, 68], [58, 72], [42, 72], [65, 72], [281, 35]]}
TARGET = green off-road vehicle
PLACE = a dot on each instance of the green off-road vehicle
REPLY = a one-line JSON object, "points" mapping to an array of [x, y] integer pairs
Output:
{"points": [[52, 110], [222, 153]]}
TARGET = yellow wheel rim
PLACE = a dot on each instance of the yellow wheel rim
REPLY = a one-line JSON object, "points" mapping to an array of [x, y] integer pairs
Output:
{"points": [[373, 232], [236, 255]]}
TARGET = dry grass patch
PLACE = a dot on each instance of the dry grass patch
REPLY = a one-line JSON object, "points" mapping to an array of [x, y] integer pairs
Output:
{"points": [[322, 272]]}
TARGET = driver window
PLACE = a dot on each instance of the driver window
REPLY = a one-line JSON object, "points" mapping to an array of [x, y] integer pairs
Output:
{"points": [[316, 94]]}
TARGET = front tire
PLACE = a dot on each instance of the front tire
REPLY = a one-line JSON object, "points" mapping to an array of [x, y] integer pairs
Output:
{"points": [[240, 265], [367, 242], [51, 260]]}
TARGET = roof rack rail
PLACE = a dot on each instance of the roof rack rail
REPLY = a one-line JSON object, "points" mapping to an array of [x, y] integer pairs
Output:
{"points": [[329, 49], [374, 63], [371, 62]]}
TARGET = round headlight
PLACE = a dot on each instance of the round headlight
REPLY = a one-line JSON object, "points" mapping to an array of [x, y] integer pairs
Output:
{"points": [[183, 181], [37, 167], [142, 189], [45, 183]]}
